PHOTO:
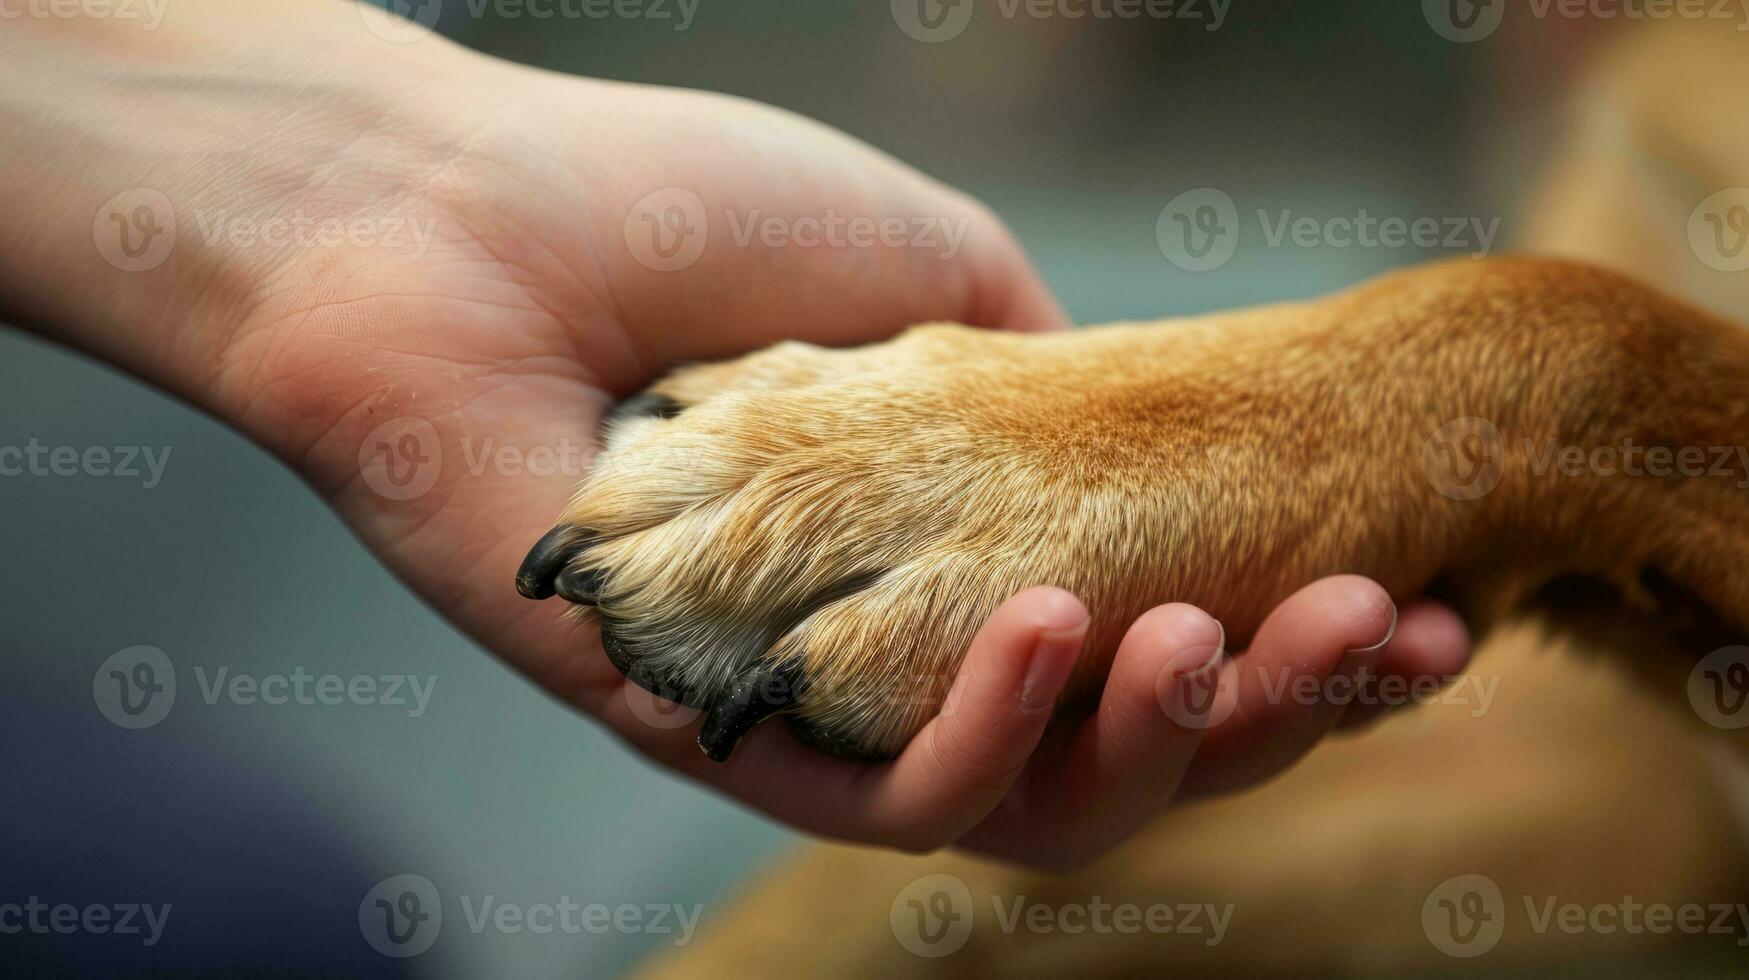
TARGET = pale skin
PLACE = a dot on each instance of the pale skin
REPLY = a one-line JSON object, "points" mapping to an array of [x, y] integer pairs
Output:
{"points": [[526, 317]]}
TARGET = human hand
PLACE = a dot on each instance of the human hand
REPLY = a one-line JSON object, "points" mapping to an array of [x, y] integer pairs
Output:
{"points": [[511, 266]]}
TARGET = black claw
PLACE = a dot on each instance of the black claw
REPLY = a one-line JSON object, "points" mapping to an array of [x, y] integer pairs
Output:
{"points": [[755, 694], [547, 558], [644, 405], [579, 585]]}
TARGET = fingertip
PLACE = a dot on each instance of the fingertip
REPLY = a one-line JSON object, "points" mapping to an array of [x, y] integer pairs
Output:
{"points": [[1432, 643], [1177, 626], [1048, 609], [1007, 291], [1162, 649], [1432, 640], [1057, 628], [1360, 612], [1335, 627], [1027, 649], [960, 766]]}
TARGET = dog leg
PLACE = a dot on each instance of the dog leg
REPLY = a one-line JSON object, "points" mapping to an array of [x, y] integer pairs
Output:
{"points": [[846, 519]]}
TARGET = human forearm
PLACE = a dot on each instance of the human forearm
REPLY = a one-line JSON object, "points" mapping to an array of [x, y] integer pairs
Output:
{"points": [[130, 147]]}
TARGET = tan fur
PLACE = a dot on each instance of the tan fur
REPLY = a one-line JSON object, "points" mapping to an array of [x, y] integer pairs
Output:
{"points": [[1225, 461], [1575, 785]]}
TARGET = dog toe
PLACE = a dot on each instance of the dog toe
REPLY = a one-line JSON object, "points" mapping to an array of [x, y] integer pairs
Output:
{"points": [[645, 405], [549, 556]]}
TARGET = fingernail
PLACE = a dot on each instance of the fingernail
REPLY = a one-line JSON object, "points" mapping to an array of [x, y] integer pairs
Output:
{"points": [[1366, 651], [1192, 659], [1053, 657], [1188, 685]]}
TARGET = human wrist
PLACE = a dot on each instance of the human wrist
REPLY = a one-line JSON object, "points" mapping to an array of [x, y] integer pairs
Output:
{"points": [[131, 153]]}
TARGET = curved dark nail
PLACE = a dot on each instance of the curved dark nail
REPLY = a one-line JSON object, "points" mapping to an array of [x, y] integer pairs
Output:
{"points": [[548, 556], [755, 694], [579, 585], [645, 405]]}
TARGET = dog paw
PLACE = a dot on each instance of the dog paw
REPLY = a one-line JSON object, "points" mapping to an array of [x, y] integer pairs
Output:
{"points": [[822, 532]]}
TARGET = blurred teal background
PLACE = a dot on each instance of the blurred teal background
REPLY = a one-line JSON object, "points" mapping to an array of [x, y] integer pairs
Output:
{"points": [[1078, 132]]}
